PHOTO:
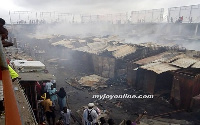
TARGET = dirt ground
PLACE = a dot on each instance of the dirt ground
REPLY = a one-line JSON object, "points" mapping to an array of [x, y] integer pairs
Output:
{"points": [[128, 108]]}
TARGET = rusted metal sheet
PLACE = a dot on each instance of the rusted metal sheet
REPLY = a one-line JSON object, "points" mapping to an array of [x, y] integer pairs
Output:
{"points": [[159, 67], [184, 88], [149, 81], [131, 77], [195, 103], [140, 78], [152, 82], [175, 93], [104, 66], [131, 74], [145, 80], [163, 83], [184, 62]]}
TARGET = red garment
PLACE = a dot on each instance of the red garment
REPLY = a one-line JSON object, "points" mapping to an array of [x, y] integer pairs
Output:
{"points": [[181, 18], [8, 61], [38, 88]]}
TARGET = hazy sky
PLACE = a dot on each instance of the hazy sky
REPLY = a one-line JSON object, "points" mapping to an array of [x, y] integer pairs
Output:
{"points": [[89, 6]]}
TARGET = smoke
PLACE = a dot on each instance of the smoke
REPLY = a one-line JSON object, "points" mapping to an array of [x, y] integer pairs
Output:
{"points": [[181, 35], [81, 30], [130, 33], [163, 34]]}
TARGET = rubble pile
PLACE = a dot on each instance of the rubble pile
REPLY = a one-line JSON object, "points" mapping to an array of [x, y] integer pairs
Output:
{"points": [[92, 82]]}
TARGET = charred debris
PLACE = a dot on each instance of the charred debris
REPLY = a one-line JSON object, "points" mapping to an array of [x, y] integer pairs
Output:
{"points": [[167, 71]]}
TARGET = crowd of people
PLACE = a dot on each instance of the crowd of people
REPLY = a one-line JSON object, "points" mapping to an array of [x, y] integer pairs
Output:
{"points": [[31, 22], [51, 97], [91, 117]]}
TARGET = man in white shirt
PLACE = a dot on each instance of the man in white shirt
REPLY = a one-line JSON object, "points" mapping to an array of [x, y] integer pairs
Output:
{"points": [[48, 86], [90, 115]]}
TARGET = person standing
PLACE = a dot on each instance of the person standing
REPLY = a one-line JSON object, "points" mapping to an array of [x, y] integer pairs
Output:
{"points": [[90, 115], [4, 34], [66, 116], [53, 95], [48, 109], [62, 98], [48, 86]]}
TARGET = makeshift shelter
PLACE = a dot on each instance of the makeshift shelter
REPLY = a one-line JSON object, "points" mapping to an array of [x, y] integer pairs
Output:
{"points": [[154, 77], [135, 71], [31, 72], [186, 85], [106, 56]]}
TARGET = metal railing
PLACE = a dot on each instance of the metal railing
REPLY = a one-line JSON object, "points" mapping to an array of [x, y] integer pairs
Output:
{"points": [[29, 106], [12, 116]]}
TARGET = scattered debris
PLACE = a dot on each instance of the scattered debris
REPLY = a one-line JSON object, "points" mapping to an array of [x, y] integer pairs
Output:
{"points": [[118, 104], [92, 82]]}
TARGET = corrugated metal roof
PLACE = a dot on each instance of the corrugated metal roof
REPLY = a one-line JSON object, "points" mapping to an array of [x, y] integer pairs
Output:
{"points": [[184, 62], [95, 48], [99, 47], [159, 67], [160, 57], [64, 42], [124, 51], [196, 65], [115, 47], [181, 55]]}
